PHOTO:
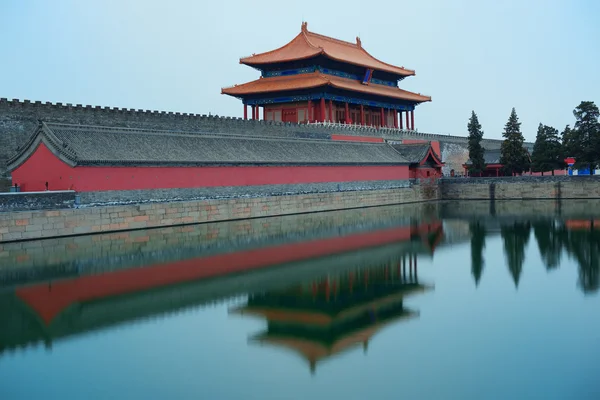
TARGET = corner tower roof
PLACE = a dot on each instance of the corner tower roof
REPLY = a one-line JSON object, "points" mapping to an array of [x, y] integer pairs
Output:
{"points": [[309, 44]]}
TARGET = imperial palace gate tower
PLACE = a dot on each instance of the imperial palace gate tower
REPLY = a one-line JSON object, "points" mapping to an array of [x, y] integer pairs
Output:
{"points": [[315, 78]]}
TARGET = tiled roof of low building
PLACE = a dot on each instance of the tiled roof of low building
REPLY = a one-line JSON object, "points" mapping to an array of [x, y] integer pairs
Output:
{"points": [[415, 152], [309, 44], [490, 157], [96, 145], [317, 79]]}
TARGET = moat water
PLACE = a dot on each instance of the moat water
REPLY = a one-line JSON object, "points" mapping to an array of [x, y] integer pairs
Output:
{"points": [[470, 300]]}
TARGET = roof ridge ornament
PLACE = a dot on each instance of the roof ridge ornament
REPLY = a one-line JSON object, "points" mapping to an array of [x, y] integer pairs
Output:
{"points": [[358, 42], [304, 27]]}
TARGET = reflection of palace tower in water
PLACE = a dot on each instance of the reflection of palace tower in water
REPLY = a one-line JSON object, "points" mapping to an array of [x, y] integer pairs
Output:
{"points": [[336, 313]]}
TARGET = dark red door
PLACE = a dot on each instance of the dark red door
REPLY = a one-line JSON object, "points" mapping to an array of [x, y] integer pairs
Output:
{"points": [[289, 116]]}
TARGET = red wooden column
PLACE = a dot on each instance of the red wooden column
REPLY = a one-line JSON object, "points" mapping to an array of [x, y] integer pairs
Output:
{"points": [[253, 110], [245, 111], [362, 114], [309, 116], [331, 119], [322, 119], [347, 113], [412, 120], [407, 121], [395, 119], [382, 118]]}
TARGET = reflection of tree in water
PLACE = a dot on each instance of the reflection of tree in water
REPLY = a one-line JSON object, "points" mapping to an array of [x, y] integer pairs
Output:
{"points": [[584, 246], [516, 237], [549, 239], [580, 239], [477, 246]]}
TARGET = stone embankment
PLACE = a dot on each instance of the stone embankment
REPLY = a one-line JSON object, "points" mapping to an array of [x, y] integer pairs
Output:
{"points": [[24, 225], [521, 188]]}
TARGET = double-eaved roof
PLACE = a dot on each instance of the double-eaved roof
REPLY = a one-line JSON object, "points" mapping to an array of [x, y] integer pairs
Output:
{"points": [[309, 44], [82, 145]]}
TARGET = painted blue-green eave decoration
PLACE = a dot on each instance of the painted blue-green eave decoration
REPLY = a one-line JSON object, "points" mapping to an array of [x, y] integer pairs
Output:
{"points": [[329, 96], [328, 71]]}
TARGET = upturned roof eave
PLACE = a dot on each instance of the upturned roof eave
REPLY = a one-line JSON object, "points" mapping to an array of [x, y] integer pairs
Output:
{"points": [[41, 135], [315, 50], [328, 82]]}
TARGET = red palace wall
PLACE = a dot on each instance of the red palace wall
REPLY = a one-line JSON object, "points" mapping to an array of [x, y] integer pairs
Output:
{"points": [[43, 166], [421, 173]]}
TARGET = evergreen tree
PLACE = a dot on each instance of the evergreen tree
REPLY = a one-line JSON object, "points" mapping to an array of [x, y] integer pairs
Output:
{"points": [[514, 156], [474, 144], [586, 135], [569, 143], [547, 153], [538, 157]]}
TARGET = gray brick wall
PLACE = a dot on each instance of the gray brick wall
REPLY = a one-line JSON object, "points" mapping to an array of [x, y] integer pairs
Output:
{"points": [[4, 185], [36, 201], [19, 118], [158, 195]]}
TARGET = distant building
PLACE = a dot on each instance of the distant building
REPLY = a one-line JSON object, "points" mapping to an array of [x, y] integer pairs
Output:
{"points": [[493, 167], [315, 78]]}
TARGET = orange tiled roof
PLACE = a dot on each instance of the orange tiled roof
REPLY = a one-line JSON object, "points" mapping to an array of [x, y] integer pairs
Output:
{"points": [[308, 44], [317, 79]]}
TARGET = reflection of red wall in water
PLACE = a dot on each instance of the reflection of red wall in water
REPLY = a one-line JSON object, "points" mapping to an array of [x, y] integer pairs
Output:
{"points": [[50, 300], [585, 224], [43, 167]]}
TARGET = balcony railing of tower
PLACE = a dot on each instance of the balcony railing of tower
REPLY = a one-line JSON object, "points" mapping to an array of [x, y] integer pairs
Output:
{"points": [[372, 128]]}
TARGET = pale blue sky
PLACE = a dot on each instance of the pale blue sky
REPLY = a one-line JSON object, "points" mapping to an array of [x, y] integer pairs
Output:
{"points": [[540, 56]]}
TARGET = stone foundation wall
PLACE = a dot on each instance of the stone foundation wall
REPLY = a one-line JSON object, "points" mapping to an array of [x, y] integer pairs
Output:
{"points": [[4, 185], [522, 188], [203, 193], [55, 223]]}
